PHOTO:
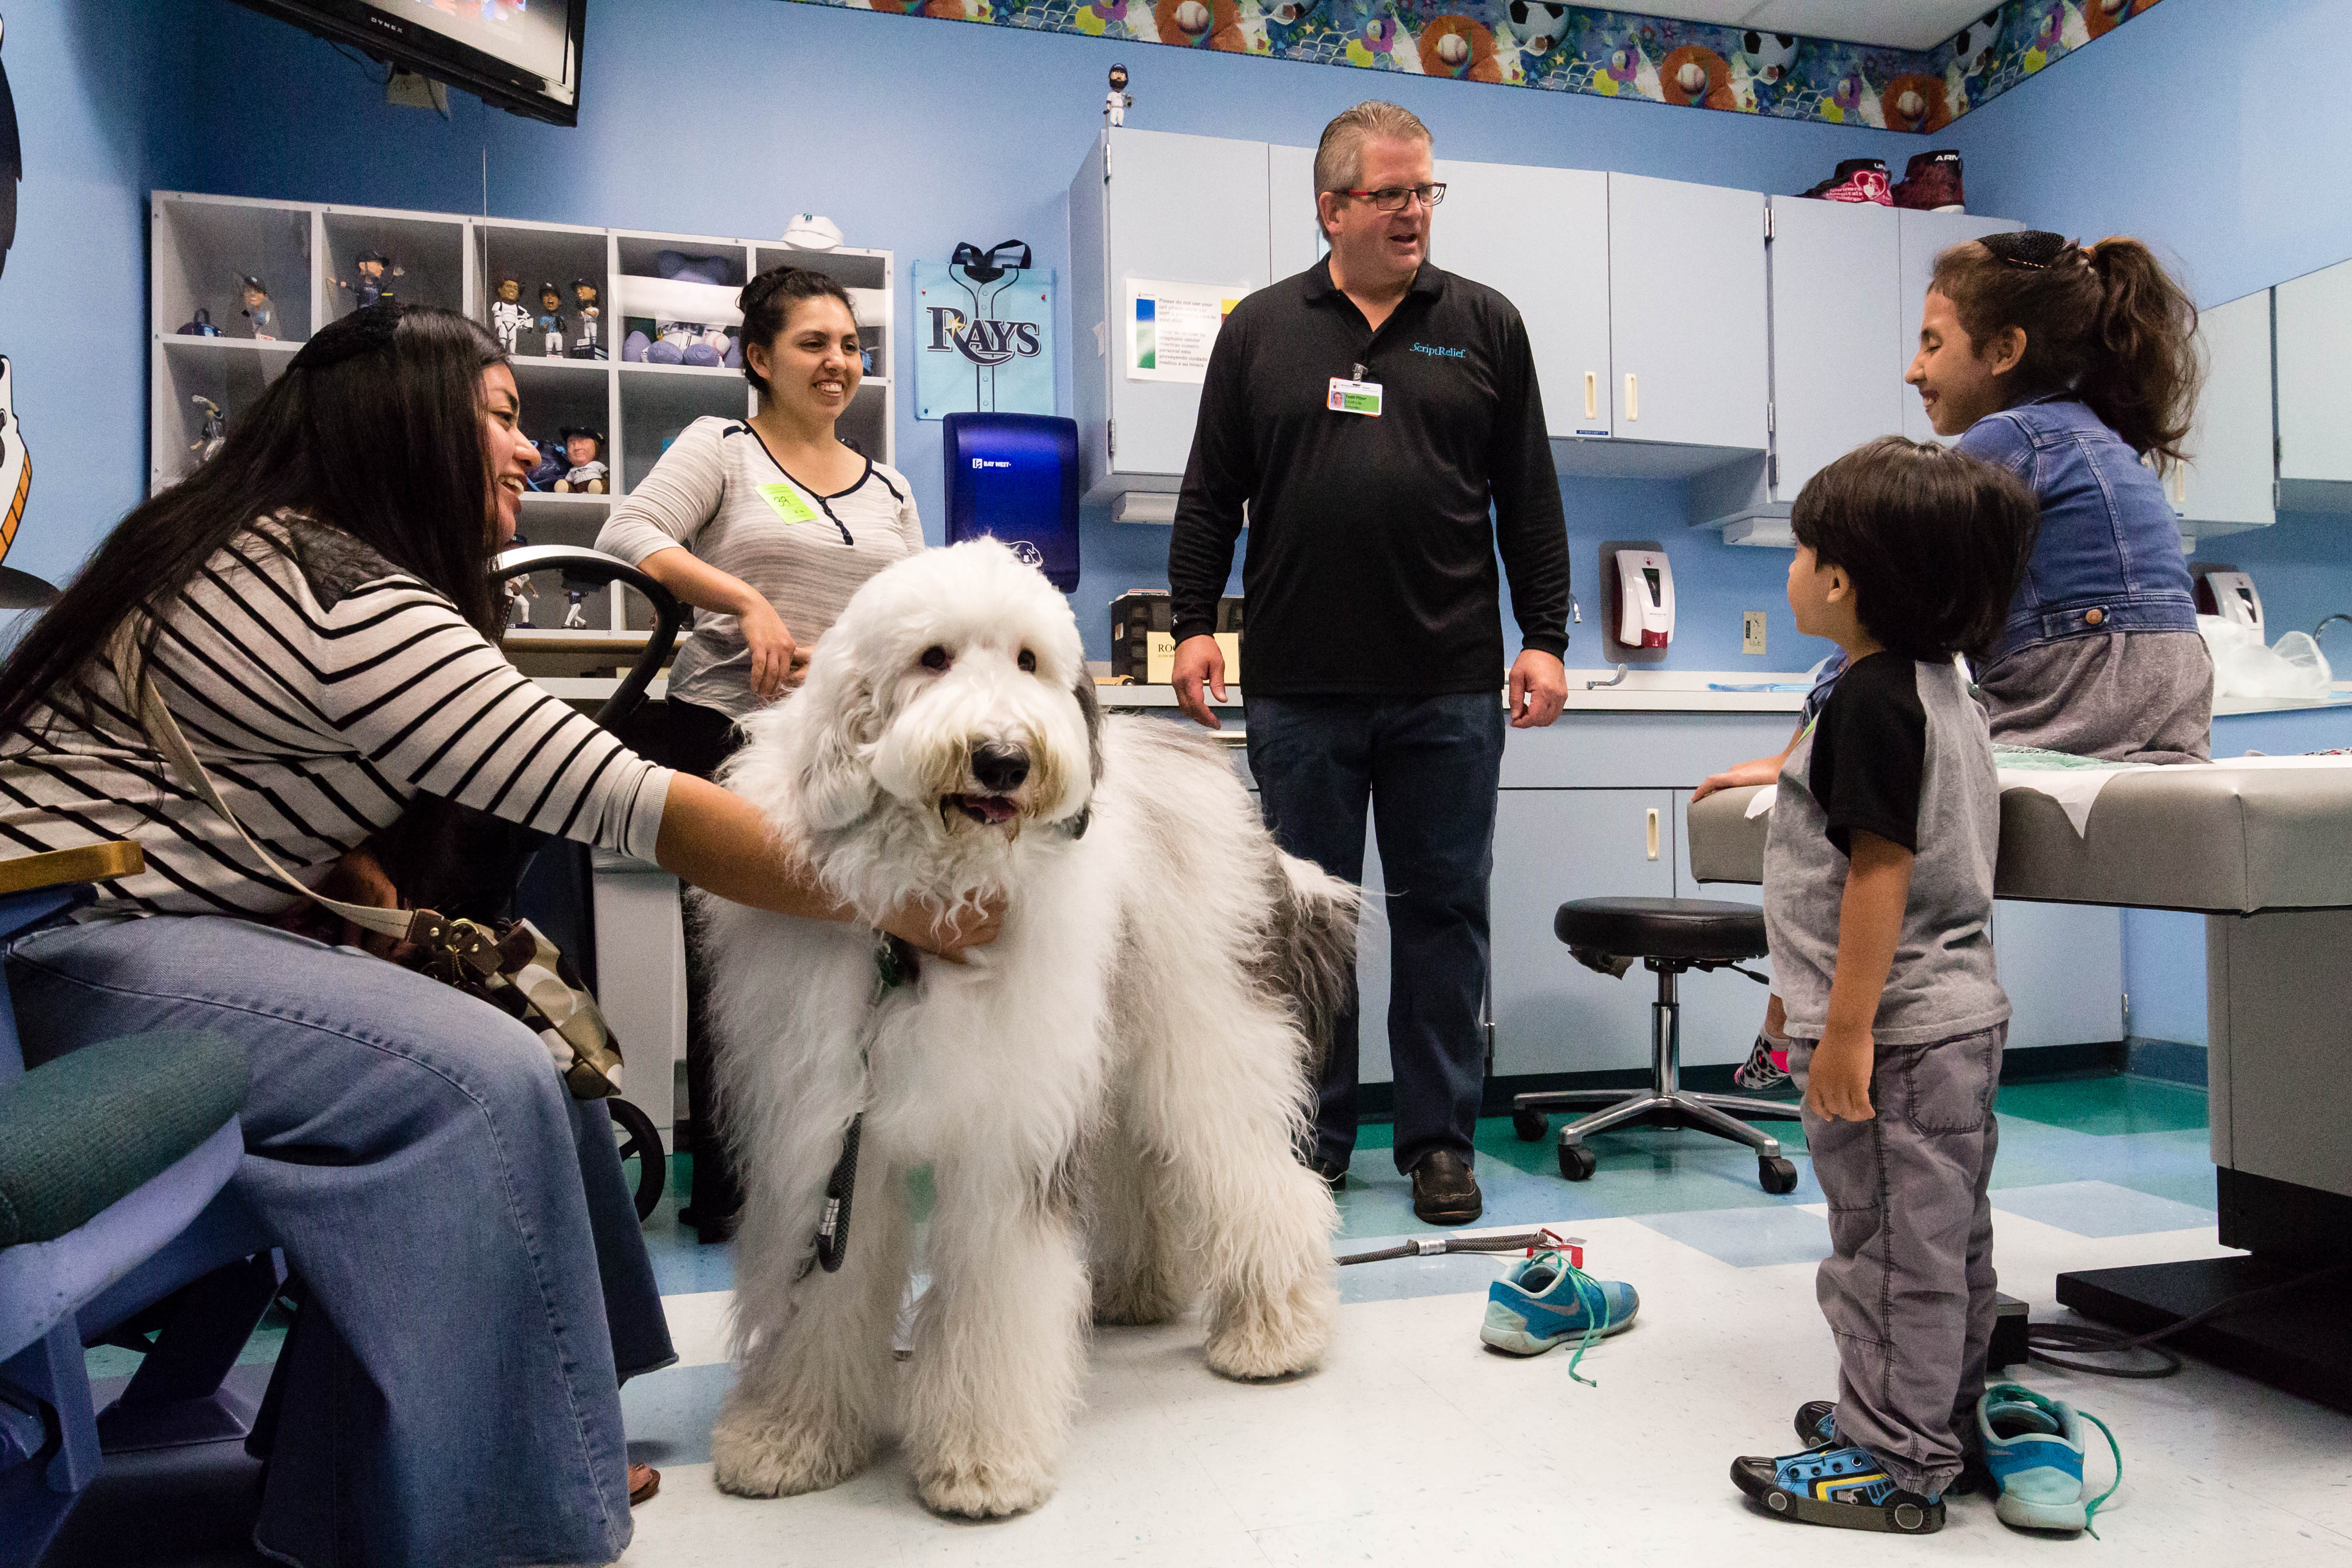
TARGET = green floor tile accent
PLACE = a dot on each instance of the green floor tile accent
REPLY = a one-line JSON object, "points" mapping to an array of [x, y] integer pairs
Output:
{"points": [[2106, 1107]]}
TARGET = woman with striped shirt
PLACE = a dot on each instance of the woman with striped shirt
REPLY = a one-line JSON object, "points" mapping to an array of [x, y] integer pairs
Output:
{"points": [[766, 526], [316, 611]]}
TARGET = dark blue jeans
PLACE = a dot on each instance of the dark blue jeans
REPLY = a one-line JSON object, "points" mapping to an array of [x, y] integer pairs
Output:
{"points": [[1428, 767]]}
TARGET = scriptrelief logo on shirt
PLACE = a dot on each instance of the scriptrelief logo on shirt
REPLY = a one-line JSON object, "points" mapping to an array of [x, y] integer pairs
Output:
{"points": [[1435, 353]]}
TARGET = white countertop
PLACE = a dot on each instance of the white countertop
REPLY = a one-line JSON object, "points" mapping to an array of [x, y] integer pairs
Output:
{"points": [[1650, 691], [2340, 698]]}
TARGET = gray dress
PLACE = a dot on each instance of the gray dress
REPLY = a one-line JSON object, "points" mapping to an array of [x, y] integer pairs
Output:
{"points": [[2126, 697]]}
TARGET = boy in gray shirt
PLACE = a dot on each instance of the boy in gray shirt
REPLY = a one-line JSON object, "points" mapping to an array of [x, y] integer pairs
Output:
{"points": [[1878, 905]]}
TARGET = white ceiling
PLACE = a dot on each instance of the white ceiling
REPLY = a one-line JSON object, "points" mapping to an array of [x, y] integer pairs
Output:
{"points": [[1898, 24]]}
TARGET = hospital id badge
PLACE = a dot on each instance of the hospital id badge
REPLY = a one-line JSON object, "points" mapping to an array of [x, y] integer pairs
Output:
{"points": [[1354, 397], [787, 502]]}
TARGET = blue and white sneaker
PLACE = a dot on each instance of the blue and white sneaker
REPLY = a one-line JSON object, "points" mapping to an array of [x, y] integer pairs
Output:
{"points": [[1844, 1487], [1548, 1301], [2034, 1446]]}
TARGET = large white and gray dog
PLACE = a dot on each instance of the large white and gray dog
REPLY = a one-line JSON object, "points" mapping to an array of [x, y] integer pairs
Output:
{"points": [[1110, 1095]]}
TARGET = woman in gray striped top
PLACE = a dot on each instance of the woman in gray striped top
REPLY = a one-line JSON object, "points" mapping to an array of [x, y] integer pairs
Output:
{"points": [[767, 527], [317, 615]]}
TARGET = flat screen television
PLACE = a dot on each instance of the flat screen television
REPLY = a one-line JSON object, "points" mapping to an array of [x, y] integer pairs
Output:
{"points": [[522, 56]]}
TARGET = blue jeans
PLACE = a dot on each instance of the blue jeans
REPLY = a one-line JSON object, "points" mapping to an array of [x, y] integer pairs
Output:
{"points": [[1428, 766], [477, 1283]]}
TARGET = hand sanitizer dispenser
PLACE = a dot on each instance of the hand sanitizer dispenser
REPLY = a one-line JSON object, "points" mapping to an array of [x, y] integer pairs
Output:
{"points": [[2234, 598], [1638, 586]]}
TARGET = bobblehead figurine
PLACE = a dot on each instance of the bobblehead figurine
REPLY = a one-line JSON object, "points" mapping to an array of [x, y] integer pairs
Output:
{"points": [[583, 449], [550, 320], [376, 269], [584, 299], [508, 315], [257, 308]]}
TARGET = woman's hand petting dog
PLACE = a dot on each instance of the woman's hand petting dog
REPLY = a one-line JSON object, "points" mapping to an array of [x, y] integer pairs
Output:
{"points": [[967, 926]]}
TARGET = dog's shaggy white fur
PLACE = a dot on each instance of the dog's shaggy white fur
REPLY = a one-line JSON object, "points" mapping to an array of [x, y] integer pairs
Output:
{"points": [[1110, 1096]]}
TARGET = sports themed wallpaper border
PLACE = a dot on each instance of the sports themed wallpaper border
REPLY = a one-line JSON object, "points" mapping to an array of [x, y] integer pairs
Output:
{"points": [[1583, 48]]}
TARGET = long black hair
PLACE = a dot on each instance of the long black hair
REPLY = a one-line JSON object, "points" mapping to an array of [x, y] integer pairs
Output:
{"points": [[374, 429]]}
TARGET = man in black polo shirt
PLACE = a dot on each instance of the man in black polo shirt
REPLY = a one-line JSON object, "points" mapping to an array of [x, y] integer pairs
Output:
{"points": [[1370, 411]]}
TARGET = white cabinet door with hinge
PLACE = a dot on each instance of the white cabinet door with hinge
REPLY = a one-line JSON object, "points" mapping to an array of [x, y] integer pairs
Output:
{"points": [[2062, 966], [1293, 234], [1540, 238], [1688, 342], [1836, 304], [1925, 236], [1178, 210], [2225, 487], [2314, 375], [1551, 1013], [1722, 1010]]}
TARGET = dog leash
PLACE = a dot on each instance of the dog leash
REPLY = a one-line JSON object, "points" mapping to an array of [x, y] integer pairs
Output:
{"points": [[894, 965]]}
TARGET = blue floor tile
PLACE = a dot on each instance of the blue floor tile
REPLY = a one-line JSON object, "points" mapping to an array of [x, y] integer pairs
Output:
{"points": [[668, 1414], [1747, 1239], [2099, 1208]]}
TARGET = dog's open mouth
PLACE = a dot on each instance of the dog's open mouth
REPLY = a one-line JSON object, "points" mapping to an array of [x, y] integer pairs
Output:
{"points": [[988, 810]]}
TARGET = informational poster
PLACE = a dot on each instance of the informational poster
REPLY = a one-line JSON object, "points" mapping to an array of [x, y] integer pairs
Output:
{"points": [[1172, 326], [983, 344]]}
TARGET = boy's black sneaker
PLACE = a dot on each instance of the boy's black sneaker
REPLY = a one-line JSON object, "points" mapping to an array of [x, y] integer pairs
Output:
{"points": [[1843, 1488]]}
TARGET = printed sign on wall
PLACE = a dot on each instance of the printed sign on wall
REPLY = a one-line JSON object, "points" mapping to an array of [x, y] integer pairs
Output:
{"points": [[1172, 326], [983, 343]]}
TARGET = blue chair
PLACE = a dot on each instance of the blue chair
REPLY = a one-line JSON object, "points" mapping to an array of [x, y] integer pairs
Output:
{"points": [[113, 1165]]}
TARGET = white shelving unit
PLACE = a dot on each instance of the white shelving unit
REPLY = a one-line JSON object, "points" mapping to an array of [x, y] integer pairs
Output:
{"points": [[202, 247]]}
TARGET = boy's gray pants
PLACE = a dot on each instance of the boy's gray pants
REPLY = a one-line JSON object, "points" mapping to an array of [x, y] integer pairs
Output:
{"points": [[1908, 1285]]}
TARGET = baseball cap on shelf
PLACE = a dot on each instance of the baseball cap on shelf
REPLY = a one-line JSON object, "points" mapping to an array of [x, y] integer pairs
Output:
{"points": [[808, 231]]}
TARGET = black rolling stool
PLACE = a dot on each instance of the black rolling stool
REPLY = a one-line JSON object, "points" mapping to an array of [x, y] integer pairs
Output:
{"points": [[1669, 936]]}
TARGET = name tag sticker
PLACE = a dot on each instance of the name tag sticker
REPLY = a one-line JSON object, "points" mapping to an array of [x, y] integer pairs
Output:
{"points": [[788, 502], [1354, 397]]}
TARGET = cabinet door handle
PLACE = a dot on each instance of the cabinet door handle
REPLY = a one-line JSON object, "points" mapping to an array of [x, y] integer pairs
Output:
{"points": [[1633, 396], [1592, 394], [1653, 832]]}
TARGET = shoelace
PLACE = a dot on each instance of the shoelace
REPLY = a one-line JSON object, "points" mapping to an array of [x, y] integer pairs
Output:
{"points": [[1595, 1302], [2092, 1508]]}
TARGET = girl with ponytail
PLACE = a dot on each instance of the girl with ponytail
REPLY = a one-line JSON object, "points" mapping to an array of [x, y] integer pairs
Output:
{"points": [[2068, 365]]}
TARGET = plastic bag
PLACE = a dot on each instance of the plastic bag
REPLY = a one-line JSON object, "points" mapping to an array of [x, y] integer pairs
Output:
{"points": [[2244, 668]]}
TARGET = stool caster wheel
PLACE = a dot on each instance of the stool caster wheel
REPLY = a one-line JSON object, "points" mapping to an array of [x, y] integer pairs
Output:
{"points": [[1578, 1163], [1777, 1176], [641, 1140], [1530, 1125]]}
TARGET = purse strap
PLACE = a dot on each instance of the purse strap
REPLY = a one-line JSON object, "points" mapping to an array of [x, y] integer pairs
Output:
{"points": [[129, 662]]}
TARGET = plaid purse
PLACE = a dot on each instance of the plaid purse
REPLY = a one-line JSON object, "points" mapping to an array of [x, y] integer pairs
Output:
{"points": [[507, 964]]}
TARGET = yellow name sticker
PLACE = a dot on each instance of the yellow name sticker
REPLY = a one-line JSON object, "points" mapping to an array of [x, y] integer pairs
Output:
{"points": [[788, 502]]}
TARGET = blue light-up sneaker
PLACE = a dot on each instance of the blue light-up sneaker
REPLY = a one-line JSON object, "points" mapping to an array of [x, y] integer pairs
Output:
{"points": [[2034, 1446], [1844, 1487], [1546, 1301]]}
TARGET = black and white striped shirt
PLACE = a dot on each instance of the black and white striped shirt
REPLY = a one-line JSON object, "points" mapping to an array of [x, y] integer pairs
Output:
{"points": [[321, 687]]}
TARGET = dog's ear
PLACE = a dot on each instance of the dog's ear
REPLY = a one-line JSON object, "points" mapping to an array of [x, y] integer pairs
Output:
{"points": [[837, 785], [1092, 712]]}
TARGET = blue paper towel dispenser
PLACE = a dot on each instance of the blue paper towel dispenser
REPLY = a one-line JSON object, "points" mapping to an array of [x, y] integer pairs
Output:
{"points": [[1015, 477]]}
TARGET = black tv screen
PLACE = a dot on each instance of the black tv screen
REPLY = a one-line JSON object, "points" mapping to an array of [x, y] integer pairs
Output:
{"points": [[520, 55]]}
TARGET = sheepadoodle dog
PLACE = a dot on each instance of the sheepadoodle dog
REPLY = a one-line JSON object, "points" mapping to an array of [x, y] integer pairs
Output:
{"points": [[1110, 1095]]}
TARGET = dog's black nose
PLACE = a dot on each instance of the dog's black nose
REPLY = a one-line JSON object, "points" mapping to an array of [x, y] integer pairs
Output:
{"points": [[999, 768]]}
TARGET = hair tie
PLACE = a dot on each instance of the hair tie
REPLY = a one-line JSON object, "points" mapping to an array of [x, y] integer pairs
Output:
{"points": [[364, 330], [2035, 249]]}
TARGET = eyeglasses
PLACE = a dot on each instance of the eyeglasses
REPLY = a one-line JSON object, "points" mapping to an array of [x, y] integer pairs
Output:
{"points": [[1392, 198]]}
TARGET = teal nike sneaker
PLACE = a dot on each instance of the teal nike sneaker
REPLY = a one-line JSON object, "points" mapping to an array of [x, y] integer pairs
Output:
{"points": [[1548, 1301], [2034, 1446], [1844, 1487]]}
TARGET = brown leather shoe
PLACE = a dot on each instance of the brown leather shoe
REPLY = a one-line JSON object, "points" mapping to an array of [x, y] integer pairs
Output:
{"points": [[643, 1481], [1444, 1189]]}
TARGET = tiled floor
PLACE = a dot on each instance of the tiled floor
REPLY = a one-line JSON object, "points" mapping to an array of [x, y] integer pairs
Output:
{"points": [[1415, 1445]]}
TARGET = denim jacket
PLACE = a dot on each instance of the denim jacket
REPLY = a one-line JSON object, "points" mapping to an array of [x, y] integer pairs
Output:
{"points": [[2109, 558]]}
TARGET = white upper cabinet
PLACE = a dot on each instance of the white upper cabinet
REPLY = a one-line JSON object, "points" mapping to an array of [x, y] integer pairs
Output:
{"points": [[1924, 236], [2314, 389], [1159, 208], [1836, 307], [1541, 236], [1293, 236], [2226, 486], [1686, 312]]}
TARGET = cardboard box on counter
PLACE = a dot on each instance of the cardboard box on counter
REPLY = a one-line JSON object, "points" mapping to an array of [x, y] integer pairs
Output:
{"points": [[1143, 642]]}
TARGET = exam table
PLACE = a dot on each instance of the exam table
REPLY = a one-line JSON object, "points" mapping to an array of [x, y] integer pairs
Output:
{"points": [[2262, 847]]}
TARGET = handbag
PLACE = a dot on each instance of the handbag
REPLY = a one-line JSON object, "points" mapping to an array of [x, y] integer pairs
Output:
{"points": [[507, 964]]}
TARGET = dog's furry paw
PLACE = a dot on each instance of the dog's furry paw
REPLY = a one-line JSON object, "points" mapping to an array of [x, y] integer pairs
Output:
{"points": [[1148, 1296], [756, 1454], [988, 1489], [1254, 1339]]}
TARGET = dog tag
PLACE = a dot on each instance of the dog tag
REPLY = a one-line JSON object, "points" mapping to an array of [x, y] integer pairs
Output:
{"points": [[1354, 397], [788, 502]]}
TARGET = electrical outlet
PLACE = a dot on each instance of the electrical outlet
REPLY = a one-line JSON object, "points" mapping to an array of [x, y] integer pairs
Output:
{"points": [[1752, 631]]}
